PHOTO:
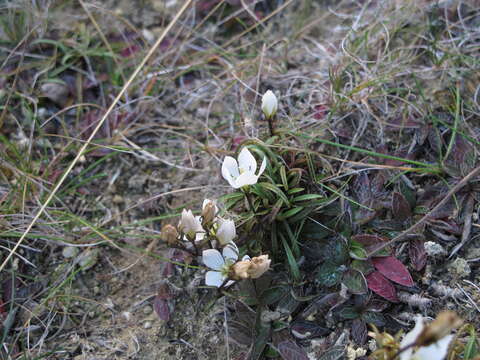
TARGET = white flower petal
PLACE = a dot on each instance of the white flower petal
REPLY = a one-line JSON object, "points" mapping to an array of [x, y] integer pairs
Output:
{"points": [[229, 283], [246, 161], [226, 232], [190, 224], [410, 338], [263, 166], [269, 103], [436, 351], [245, 179], [213, 259], [230, 252], [214, 278], [205, 202], [230, 169], [199, 236]]}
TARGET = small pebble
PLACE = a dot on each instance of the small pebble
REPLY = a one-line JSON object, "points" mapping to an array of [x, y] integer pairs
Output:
{"points": [[460, 267], [434, 249], [69, 252], [147, 310], [118, 199], [147, 325]]}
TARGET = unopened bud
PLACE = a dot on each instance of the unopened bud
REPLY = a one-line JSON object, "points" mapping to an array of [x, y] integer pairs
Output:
{"points": [[209, 212], [169, 234], [269, 104]]}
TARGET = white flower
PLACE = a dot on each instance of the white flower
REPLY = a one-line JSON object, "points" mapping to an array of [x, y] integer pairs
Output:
{"points": [[435, 351], [221, 264], [242, 173], [190, 225], [269, 104], [226, 232]]}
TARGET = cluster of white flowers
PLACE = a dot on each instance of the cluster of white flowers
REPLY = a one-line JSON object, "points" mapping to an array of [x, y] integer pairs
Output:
{"points": [[195, 228], [196, 231]]}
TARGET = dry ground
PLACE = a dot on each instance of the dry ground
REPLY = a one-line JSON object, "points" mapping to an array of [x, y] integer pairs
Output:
{"points": [[393, 77]]}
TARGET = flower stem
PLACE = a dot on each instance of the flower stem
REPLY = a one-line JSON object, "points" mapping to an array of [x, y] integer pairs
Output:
{"points": [[249, 200], [270, 125]]}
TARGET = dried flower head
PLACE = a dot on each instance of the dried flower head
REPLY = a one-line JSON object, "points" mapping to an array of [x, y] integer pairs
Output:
{"points": [[260, 265], [209, 211], [169, 234], [431, 341], [251, 268]]}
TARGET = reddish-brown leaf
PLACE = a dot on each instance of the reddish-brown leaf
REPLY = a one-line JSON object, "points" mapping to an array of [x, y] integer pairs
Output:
{"points": [[393, 269], [400, 207], [161, 308], [418, 254], [320, 112], [370, 242], [380, 285]]}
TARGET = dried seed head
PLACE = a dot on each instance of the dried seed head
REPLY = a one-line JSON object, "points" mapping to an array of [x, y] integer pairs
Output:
{"points": [[442, 326], [240, 270], [169, 234], [259, 265], [209, 212]]}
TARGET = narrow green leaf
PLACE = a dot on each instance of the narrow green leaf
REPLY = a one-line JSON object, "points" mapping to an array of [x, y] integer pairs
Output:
{"points": [[289, 213], [275, 189], [283, 175], [291, 259], [306, 197]]}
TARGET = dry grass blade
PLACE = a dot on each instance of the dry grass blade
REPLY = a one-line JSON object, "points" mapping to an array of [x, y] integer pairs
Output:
{"points": [[97, 128]]}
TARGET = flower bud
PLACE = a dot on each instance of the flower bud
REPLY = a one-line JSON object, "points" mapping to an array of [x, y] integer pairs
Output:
{"points": [[226, 232], [169, 234], [209, 211], [259, 265], [269, 104]]}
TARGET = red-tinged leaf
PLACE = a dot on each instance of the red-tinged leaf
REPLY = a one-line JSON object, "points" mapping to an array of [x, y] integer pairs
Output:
{"points": [[130, 50], [164, 291], [168, 270], [320, 112], [400, 207], [288, 350], [418, 254], [161, 308], [393, 269], [370, 242], [380, 285]]}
